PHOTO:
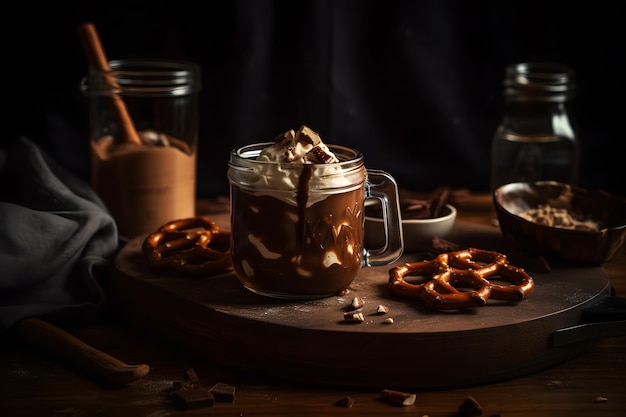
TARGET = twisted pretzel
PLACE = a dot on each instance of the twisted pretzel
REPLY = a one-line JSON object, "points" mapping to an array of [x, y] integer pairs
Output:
{"points": [[489, 264], [470, 268], [194, 246]]}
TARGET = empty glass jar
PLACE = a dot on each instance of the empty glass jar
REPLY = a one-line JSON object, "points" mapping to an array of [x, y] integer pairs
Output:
{"points": [[536, 139]]}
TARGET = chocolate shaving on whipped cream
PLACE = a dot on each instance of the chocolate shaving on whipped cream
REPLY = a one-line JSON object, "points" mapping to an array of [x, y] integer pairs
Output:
{"points": [[301, 146]]}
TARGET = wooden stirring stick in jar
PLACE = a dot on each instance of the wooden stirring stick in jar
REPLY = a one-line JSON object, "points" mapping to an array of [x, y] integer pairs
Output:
{"points": [[97, 59]]}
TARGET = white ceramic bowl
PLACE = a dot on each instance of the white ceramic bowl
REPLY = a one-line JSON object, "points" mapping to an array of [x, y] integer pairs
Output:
{"points": [[418, 233]]}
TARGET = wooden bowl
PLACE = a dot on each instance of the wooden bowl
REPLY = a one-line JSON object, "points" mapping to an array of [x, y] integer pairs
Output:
{"points": [[606, 211]]}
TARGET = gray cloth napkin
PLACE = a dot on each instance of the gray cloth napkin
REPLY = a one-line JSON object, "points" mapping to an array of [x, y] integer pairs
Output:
{"points": [[56, 240]]}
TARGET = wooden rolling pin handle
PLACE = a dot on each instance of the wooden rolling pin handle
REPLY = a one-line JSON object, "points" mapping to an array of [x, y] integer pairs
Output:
{"points": [[50, 338], [97, 59]]}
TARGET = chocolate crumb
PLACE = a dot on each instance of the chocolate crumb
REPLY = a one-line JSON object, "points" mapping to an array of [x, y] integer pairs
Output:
{"points": [[441, 245], [404, 399], [357, 303], [344, 402], [545, 264], [470, 407], [382, 309], [354, 316]]}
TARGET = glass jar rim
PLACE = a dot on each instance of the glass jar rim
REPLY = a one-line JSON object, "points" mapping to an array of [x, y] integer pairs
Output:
{"points": [[144, 77], [541, 81], [345, 155], [283, 178]]}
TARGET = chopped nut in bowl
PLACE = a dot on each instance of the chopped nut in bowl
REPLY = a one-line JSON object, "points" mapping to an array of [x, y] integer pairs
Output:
{"points": [[559, 220], [423, 218]]}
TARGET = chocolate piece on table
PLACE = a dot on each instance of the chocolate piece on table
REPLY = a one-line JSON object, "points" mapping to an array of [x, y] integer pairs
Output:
{"points": [[192, 377], [223, 393], [470, 407], [404, 399], [192, 398], [344, 402]]}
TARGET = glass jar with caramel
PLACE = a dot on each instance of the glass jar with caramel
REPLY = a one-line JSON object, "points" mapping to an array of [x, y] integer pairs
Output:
{"points": [[144, 135]]}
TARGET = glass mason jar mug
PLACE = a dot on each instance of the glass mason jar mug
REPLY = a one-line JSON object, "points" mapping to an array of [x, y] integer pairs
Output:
{"points": [[144, 135], [297, 229]]}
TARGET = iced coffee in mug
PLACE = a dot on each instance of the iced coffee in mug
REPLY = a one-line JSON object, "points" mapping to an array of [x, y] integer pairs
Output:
{"points": [[297, 216], [148, 180]]}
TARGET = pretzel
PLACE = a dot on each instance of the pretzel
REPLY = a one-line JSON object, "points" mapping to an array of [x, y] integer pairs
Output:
{"points": [[194, 246], [495, 265], [442, 277], [442, 294]]}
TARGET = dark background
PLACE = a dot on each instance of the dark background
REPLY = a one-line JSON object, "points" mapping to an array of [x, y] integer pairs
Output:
{"points": [[415, 85]]}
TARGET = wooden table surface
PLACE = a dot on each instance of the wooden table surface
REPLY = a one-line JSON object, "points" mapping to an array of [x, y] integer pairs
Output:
{"points": [[36, 384]]}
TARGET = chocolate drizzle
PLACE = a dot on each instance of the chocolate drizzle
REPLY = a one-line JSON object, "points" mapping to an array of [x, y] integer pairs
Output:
{"points": [[302, 197]]}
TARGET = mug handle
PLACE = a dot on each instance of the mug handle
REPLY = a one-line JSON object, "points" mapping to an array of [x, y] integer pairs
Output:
{"points": [[382, 186]]}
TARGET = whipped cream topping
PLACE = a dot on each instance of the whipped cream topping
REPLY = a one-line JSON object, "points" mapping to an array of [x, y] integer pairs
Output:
{"points": [[304, 146], [296, 159]]}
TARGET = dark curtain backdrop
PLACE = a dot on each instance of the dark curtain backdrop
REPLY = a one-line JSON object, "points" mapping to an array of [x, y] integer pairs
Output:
{"points": [[415, 85]]}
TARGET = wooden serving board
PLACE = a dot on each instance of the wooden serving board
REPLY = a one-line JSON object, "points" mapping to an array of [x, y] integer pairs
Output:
{"points": [[308, 341]]}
